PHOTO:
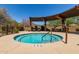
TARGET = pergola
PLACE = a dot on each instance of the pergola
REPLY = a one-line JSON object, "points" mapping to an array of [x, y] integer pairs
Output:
{"points": [[62, 16]]}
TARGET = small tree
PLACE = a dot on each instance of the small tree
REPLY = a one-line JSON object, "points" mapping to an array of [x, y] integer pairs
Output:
{"points": [[70, 21], [55, 23]]}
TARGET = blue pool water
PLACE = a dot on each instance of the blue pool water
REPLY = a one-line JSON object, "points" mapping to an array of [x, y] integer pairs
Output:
{"points": [[37, 38]]}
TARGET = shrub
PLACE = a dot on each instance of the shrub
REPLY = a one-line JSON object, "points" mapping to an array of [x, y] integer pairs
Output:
{"points": [[15, 30]]}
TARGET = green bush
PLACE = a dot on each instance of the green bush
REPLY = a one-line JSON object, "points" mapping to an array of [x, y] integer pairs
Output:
{"points": [[0, 30], [16, 30]]}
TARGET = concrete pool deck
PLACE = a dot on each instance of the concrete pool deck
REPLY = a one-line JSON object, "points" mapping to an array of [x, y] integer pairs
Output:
{"points": [[9, 46]]}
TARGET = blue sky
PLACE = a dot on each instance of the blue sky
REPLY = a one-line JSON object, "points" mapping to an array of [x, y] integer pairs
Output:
{"points": [[24, 11]]}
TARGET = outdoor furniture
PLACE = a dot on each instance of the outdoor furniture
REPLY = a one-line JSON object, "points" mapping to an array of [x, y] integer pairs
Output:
{"points": [[47, 29], [35, 28], [42, 28], [32, 28]]}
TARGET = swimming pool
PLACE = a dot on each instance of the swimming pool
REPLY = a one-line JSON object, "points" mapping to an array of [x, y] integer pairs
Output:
{"points": [[38, 38]]}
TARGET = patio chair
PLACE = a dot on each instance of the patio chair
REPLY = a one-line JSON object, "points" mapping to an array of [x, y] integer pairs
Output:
{"points": [[33, 29], [42, 28], [36, 28]]}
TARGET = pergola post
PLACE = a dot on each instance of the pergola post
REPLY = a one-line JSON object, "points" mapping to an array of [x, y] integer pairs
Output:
{"points": [[31, 24], [7, 29], [45, 24], [63, 24], [66, 35], [64, 27]]}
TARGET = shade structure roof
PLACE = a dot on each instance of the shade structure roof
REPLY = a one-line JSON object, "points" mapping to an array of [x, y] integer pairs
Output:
{"points": [[67, 14]]}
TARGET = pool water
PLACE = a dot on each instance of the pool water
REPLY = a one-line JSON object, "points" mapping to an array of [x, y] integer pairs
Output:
{"points": [[38, 38]]}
